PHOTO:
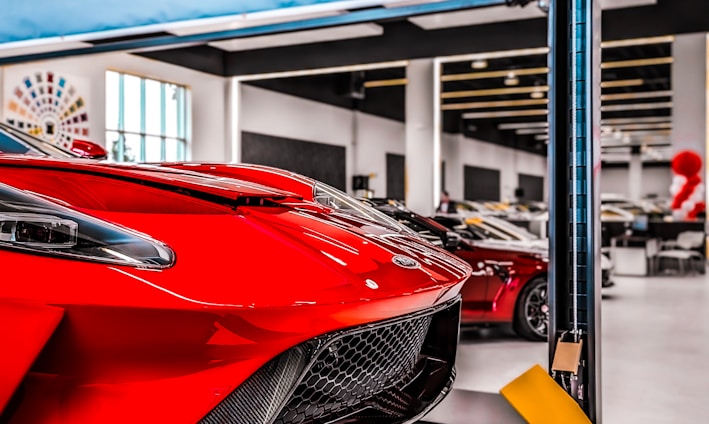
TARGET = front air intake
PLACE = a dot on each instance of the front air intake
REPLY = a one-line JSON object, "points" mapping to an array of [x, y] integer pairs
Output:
{"points": [[386, 372]]}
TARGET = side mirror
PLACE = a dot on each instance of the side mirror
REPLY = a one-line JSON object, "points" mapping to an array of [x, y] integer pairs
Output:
{"points": [[452, 241], [88, 149]]}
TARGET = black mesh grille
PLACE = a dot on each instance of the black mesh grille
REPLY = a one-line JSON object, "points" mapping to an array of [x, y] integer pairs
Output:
{"points": [[353, 368], [385, 372]]}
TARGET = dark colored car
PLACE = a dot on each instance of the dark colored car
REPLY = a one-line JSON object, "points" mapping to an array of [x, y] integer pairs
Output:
{"points": [[507, 285]]}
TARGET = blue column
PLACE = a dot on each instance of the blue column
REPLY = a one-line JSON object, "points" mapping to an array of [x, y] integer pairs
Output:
{"points": [[574, 166]]}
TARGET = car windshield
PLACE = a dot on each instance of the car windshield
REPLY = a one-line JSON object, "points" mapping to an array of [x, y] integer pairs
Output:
{"points": [[342, 202], [498, 229], [15, 141]]}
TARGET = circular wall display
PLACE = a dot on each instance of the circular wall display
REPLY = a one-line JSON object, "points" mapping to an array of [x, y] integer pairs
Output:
{"points": [[47, 105]]}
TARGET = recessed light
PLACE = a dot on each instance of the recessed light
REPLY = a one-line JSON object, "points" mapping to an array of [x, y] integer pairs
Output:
{"points": [[511, 79], [479, 64]]}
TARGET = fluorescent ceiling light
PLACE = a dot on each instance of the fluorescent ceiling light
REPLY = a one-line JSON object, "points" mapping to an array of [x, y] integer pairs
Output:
{"points": [[42, 48], [205, 26], [621, 4], [493, 74], [300, 37], [636, 106], [505, 114], [499, 54], [322, 71], [630, 127], [493, 92], [635, 133], [637, 62], [541, 137], [493, 14], [643, 95], [479, 16], [615, 121], [494, 104], [385, 83], [521, 125], [528, 131], [637, 41]]}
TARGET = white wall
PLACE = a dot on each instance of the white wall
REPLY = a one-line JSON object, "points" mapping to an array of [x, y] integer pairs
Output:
{"points": [[207, 94], [458, 151], [654, 181], [368, 138]]}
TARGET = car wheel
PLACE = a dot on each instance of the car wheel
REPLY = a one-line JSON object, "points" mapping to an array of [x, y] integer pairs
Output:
{"points": [[532, 313]]}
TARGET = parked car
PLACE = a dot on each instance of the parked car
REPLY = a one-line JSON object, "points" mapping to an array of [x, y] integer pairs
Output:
{"points": [[507, 285], [488, 231], [211, 300], [14, 141]]}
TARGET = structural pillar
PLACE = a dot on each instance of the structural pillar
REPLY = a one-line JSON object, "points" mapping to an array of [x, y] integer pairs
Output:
{"points": [[232, 118], [635, 175], [689, 86], [422, 151], [574, 199]]}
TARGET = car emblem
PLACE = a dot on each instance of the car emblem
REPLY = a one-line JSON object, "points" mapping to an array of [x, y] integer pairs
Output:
{"points": [[405, 262]]}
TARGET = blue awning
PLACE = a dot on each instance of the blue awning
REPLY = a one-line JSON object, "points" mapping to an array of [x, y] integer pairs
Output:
{"points": [[22, 20]]}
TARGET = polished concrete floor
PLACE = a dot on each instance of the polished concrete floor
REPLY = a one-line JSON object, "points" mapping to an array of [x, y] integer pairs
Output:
{"points": [[655, 356]]}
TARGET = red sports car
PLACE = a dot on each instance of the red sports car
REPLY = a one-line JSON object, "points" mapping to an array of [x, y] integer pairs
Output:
{"points": [[520, 300], [507, 285], [253, 307]]}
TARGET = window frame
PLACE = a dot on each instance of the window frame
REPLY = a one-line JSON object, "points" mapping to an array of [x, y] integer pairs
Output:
{"points": [[182, 130]]}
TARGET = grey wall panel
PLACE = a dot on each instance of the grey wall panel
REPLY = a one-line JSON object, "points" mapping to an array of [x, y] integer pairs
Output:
{"points": [[532, 185], [323, 162], [481, 183], [395, 176]]}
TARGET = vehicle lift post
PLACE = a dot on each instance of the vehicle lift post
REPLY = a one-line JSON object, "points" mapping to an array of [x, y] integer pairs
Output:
{"points": [[574, 165]]}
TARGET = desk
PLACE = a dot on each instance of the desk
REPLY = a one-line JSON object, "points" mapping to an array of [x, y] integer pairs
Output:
{"points": [[632, 255]]}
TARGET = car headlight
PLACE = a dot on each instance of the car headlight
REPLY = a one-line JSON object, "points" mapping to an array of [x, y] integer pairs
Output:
{"points": [[34, 225]]}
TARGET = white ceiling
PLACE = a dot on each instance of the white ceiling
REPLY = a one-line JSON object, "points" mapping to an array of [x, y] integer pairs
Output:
{"points": [[300, 37], [41, 48]]}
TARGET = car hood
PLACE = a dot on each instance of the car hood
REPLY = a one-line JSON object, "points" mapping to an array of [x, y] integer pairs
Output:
{"points": [[276, 256], [209, 185]]}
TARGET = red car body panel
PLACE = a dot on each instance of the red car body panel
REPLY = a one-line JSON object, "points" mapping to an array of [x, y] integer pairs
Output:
{"points": [[500, 297], [273, 177], [27, 341], [250, 281], [486, 299]]}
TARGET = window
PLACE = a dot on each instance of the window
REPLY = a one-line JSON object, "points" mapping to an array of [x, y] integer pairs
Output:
{"points": [[145, 119]]}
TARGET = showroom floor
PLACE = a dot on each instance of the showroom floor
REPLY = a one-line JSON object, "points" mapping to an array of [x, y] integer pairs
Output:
{"points": [[655, 356]]}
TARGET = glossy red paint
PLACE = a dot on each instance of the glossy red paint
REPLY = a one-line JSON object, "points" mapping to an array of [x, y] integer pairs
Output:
{"points": [[273, 177], [498, 302], [257, 272], [486, 298], [88, 149]]}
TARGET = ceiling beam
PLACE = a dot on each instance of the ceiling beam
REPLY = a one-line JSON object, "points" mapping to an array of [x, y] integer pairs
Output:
{"points": [[494, 92], [505, 114], [494, 104]]}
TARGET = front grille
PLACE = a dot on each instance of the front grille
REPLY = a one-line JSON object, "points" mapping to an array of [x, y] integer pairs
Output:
{"points": [[386, 372]]}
